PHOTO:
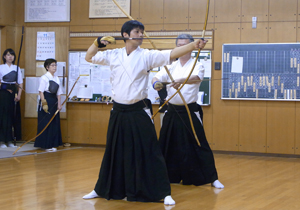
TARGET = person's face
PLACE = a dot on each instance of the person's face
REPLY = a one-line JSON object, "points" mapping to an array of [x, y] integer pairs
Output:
{"points": [[182, 42], [9, 58], [136, 33], [52, 68]]}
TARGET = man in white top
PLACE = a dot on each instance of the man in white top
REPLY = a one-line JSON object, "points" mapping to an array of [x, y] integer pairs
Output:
{"points": [[133, 166], [186, 160]]}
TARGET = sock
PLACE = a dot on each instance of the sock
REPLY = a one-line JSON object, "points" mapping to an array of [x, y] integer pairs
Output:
{"points": [[91, 195], [217, 184], [169, 200]]}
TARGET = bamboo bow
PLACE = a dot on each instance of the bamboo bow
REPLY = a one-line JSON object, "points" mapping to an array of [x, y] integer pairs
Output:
{"points": [[199, 50], [49, 120], [169, 74]]}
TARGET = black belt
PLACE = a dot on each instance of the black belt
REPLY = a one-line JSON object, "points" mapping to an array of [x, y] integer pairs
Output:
{"points": [[5, 86], [140, 105]]}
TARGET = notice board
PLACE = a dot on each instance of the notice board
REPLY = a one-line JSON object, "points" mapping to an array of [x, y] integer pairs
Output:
{"points": [[261, 71], [95, 79]]}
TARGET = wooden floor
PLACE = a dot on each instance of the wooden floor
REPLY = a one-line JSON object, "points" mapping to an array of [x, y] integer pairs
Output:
{"points": [[59, 180]]}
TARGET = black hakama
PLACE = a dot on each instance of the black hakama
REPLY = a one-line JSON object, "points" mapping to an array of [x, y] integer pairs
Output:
{"points": [[17, 121], [133, 165], [186, 161], [51, 137], [6, 112]]}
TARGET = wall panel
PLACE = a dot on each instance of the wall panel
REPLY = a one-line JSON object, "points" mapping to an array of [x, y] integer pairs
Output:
{"points": [[9, 36], [79, 116], [197, 11], [227, 11], [208, 124], [281, 124], [20, 14], [225, 123], [200, 26], [254, 35], [99, 28], [282, 32], [225, 113], [255, 8], [99, 117], [29, 128], [80, 13], [253, 127], [8, 12], [30, 45], [151, 12], [297, 130], [280, 10], [135, 9], [175, 13], [298, 31], [176, 27]]}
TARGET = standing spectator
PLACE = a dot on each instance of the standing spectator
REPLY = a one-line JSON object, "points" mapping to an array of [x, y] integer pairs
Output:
{"points": [[50, 101]]}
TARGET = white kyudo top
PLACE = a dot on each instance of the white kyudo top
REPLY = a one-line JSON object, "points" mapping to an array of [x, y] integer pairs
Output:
{"points": [[5, 69], [44, 83], [189, 91], [130, 74]]}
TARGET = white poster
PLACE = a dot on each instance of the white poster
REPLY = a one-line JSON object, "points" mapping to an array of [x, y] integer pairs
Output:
{"points": [[108, 9], [45, 46], [237, 64], [47, 10]]}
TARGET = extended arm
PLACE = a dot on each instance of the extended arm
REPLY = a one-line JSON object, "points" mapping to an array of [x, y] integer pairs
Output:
{"points": [[182, 50]]}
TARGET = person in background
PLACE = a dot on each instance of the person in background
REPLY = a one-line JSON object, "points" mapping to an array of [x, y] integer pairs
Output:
{"points": [[10, 95], [50, 101], [133, 166], [186, 160]]}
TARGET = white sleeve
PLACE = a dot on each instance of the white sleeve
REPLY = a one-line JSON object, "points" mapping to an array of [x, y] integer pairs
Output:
{"points": [[158, 58], [1, 73], [102, 57], [59, 91], [43, 85], [162, 75], [199, 70], [20, 77]]}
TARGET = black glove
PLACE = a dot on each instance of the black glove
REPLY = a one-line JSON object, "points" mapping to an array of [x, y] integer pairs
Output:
{"points": [[98, 43]]}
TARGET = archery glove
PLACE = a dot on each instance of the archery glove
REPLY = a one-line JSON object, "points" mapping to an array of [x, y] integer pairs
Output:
{"points": [[45, 105], [158, 85], [110, 39], [98, 43]]}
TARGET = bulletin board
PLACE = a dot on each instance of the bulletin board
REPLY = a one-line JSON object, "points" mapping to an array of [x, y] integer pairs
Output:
{"points": [[261, 72], [94, 81]]}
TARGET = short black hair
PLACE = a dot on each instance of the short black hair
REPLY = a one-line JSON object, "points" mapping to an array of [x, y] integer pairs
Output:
{"points": [[10, 51], [131, 24], [48, 62], [184, 36]]}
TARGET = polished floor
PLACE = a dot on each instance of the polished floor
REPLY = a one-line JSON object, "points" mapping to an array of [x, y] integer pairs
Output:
{"points": [[58, 180]]}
